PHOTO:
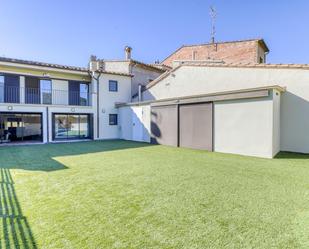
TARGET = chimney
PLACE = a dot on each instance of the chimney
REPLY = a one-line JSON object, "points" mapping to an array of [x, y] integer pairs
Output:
{"points": [[128, 51], [93, 63], [194, 53], [139, 93]]}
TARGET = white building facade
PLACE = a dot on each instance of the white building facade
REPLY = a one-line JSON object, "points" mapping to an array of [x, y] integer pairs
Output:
{"points": [[51, 103], [248, 124]]}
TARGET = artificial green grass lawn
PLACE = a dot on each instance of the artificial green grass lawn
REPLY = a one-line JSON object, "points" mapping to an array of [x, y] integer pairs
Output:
{"points": [[117, 194]]}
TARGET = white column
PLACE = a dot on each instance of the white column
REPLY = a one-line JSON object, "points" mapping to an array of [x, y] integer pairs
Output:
{"points": [[22, 89], [94, 93]]}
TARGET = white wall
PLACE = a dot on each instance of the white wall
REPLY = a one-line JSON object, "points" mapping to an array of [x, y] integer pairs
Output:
{"points": [[294, 107], [135, 123], [276, 121], [108, 100], [125, 122], [142, 76], [60, 92], [117, 66], [244, 127]]}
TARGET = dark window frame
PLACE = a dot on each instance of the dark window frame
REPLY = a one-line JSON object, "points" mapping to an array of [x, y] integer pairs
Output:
{"points": [[110, 88], [46, 91], [11, 94], [23, 114], [115, 121], [67, 138], [76, 100]]}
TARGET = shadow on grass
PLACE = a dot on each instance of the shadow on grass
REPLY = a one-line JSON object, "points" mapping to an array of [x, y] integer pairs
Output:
{"points": [[40, 157], [16, 232], [291, 155]]}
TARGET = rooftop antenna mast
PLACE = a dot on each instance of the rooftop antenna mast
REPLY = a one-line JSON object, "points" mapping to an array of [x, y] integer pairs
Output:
{"points": [[213, 16]]}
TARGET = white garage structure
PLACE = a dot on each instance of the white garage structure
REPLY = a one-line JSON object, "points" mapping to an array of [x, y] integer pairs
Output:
{"points": [[243, 121], [256, 126]]}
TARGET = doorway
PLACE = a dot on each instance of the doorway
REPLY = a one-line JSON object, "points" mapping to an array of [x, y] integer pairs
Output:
{"points": [[20, 127]]}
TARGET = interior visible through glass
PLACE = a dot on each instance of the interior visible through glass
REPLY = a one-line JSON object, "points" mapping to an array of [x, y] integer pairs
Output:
{"points": [[71, 126], [19, 127]]}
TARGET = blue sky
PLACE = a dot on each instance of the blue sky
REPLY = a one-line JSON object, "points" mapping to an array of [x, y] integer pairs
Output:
{"points": [[67, 31]]}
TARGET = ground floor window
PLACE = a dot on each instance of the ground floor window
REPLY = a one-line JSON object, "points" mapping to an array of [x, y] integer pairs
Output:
{"points": [[113, 119], [20, 127], [71, 126]]}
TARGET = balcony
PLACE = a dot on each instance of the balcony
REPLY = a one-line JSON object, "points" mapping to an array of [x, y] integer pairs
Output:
{"points": [[20, 95]]}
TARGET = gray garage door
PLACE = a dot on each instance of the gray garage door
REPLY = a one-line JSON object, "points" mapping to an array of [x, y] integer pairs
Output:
{"points": [[164, 125], [195, 126]]}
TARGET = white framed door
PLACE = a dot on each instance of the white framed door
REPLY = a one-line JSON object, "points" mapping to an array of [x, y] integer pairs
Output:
{"points": [[138, 126]]}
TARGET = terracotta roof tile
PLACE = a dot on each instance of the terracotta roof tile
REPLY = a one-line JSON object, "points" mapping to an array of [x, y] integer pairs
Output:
{"points": [[43, 64]]}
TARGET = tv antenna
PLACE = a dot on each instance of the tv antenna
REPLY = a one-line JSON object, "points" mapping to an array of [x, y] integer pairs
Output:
{"points": [[213, 16]]}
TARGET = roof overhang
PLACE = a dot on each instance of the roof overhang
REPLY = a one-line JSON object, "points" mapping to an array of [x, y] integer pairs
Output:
{"points": [[249, 93]]}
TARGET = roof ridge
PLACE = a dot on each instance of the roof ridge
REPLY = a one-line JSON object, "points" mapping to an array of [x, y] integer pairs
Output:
{"points": [[260, 40], [223, 42]]}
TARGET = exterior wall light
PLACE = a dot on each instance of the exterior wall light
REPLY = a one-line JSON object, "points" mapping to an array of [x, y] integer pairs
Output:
{"points": [[10, 108]]}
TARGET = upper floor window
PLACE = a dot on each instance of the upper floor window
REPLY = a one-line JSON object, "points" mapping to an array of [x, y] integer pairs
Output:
{"points": [[38, 91], [1, 88], [46, 91], [113, 86], [78, 93], [9, 88]]}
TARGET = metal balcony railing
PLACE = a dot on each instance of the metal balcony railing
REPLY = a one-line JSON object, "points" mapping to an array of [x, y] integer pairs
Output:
{"points": [[21, 95]]}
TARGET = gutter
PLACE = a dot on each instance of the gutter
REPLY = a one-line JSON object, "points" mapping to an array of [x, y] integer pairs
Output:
{"points": [[91, 74]]}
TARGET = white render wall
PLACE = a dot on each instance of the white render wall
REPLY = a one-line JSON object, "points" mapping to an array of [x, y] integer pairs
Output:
{"points": [[125, 123], [245, 127], [60, 92], [294, 114], [142, 77], [135, 123], [276, 95], [107, 101]]}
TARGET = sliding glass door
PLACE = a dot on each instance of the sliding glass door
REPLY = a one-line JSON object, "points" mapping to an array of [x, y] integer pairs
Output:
{"points": [[20, 127], [71, 126]]}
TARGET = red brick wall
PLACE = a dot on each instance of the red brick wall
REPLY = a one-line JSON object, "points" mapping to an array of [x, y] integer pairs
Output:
{"points": [[240, 52]]}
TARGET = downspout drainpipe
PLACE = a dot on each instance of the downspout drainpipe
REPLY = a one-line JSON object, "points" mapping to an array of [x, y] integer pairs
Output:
{"points": [[47, 120], [91, 74]]}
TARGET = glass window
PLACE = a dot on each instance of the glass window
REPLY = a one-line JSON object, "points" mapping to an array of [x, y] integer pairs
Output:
{"points": [[83, 94], [11, 88], [61, 126], [113, 119], [32, 90], [84, 126], [17, 127], [32, 127], [46, 91], [1, 88], [71, 126], [113, 86], [78, 93]]}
